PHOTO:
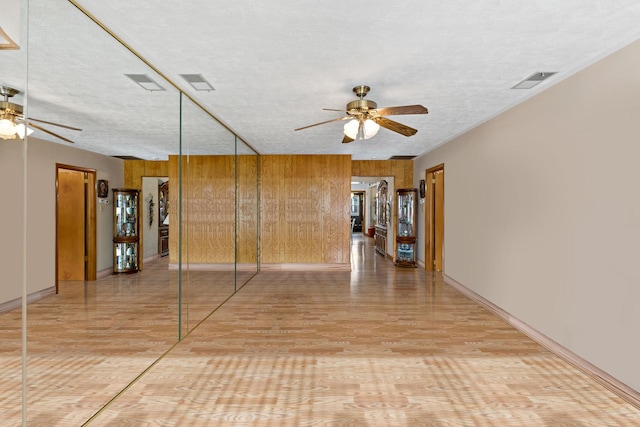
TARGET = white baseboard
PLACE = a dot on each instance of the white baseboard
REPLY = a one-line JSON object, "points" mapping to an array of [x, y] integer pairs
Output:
{"points": [[612, 384]]}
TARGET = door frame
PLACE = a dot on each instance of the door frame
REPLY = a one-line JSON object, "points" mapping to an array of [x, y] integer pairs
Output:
{"points": [[90, 240], [434, 220]]}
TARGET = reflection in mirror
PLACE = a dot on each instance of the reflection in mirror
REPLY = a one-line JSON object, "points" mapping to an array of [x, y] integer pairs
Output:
{"points": [[246, 213], [89, 340], [13, 73], [208, 214], [89, 337]]}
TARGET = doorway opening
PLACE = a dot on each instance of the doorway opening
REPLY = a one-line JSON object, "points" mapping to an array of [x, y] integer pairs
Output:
{"points": [[357, 210], [434, 218], [75, 223]]}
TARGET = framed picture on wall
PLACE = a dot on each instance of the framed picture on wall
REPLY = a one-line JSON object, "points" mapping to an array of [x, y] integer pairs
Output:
{"points": [[103, 188]]}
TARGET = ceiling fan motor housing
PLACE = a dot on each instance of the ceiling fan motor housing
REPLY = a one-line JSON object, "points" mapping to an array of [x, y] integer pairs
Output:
{"points": [[9, 109], [360, 106]]}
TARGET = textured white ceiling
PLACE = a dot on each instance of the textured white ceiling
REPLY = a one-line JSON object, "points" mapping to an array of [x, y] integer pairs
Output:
{"points": [[275, 65]]}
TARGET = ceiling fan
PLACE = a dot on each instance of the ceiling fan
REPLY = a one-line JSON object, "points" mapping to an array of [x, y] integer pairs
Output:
{"points": [[14, 124], [367, 118]]}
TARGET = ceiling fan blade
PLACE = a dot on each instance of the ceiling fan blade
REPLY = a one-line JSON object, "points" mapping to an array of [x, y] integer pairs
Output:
{"points": [[54, 124], [333, 109], [50, 133], [395, 126], [346, 139], [405, 109], [328, 121]]}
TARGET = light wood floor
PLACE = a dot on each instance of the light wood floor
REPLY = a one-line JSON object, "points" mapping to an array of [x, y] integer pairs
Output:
{"points": [[379, 346]]}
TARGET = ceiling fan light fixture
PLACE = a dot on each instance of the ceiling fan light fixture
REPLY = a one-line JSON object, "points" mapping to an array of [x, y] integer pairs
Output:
{"points": [[7, 129], [22, 130], [370, 128], [359, 129], [351, 128]]}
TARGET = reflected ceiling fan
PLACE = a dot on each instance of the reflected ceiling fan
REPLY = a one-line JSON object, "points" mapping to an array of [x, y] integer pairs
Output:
{"points": [[365, 118], [14, 124]]}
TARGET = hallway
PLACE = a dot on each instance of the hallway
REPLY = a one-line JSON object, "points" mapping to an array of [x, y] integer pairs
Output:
{"points": [[377, 346]]}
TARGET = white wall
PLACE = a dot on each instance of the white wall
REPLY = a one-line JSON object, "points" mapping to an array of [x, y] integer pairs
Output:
{"points": [[542, 212], [40, 220]]}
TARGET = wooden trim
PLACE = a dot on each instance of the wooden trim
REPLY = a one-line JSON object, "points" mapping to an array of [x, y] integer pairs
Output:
{"points": [[10, 44], [92, 244], [434, 219], [601, 377], [434, 168]]}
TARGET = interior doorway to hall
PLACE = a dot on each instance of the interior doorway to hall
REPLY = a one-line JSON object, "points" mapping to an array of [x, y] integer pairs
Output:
{"points": [[357, 211], [154, 229], [434, 218], [75, 223], [362, 204]]}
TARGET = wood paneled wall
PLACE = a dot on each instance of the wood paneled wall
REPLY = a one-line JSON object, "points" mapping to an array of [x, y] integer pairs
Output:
{"points": [[304, 209], [304, 205], [401, 170], [134, 170], [209, 209]]}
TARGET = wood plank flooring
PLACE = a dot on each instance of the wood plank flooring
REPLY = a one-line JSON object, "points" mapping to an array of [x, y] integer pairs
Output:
{"points": [[377, 346]]}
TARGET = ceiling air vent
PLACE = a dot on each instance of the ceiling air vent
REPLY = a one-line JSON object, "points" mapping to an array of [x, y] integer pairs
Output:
{"points": [[402, 157], [534, 79], [197, 82], [145, 81], [127, 157]]}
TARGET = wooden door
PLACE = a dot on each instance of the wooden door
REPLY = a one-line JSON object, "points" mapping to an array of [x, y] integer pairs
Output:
{"points": [[439, 219], [434, 219], [71, 225]]}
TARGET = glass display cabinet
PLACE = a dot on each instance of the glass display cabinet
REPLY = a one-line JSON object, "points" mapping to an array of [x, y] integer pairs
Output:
{"points": [[126, 238], [381, 221], [406, 227]]}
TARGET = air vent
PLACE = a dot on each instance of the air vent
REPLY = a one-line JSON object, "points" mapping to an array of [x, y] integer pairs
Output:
{"points": [[127, 157], [534, 79], [197, 82], [402, 157], [145, 81]]}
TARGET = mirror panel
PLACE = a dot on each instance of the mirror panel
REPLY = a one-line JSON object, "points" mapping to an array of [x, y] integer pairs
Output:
{"points": [[86, 342], [208, 214], [247, 217], [13, 69], [89, 340]]}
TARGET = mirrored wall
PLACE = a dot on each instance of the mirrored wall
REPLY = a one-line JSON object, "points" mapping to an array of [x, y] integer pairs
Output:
{"points": [[78, 342]]}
